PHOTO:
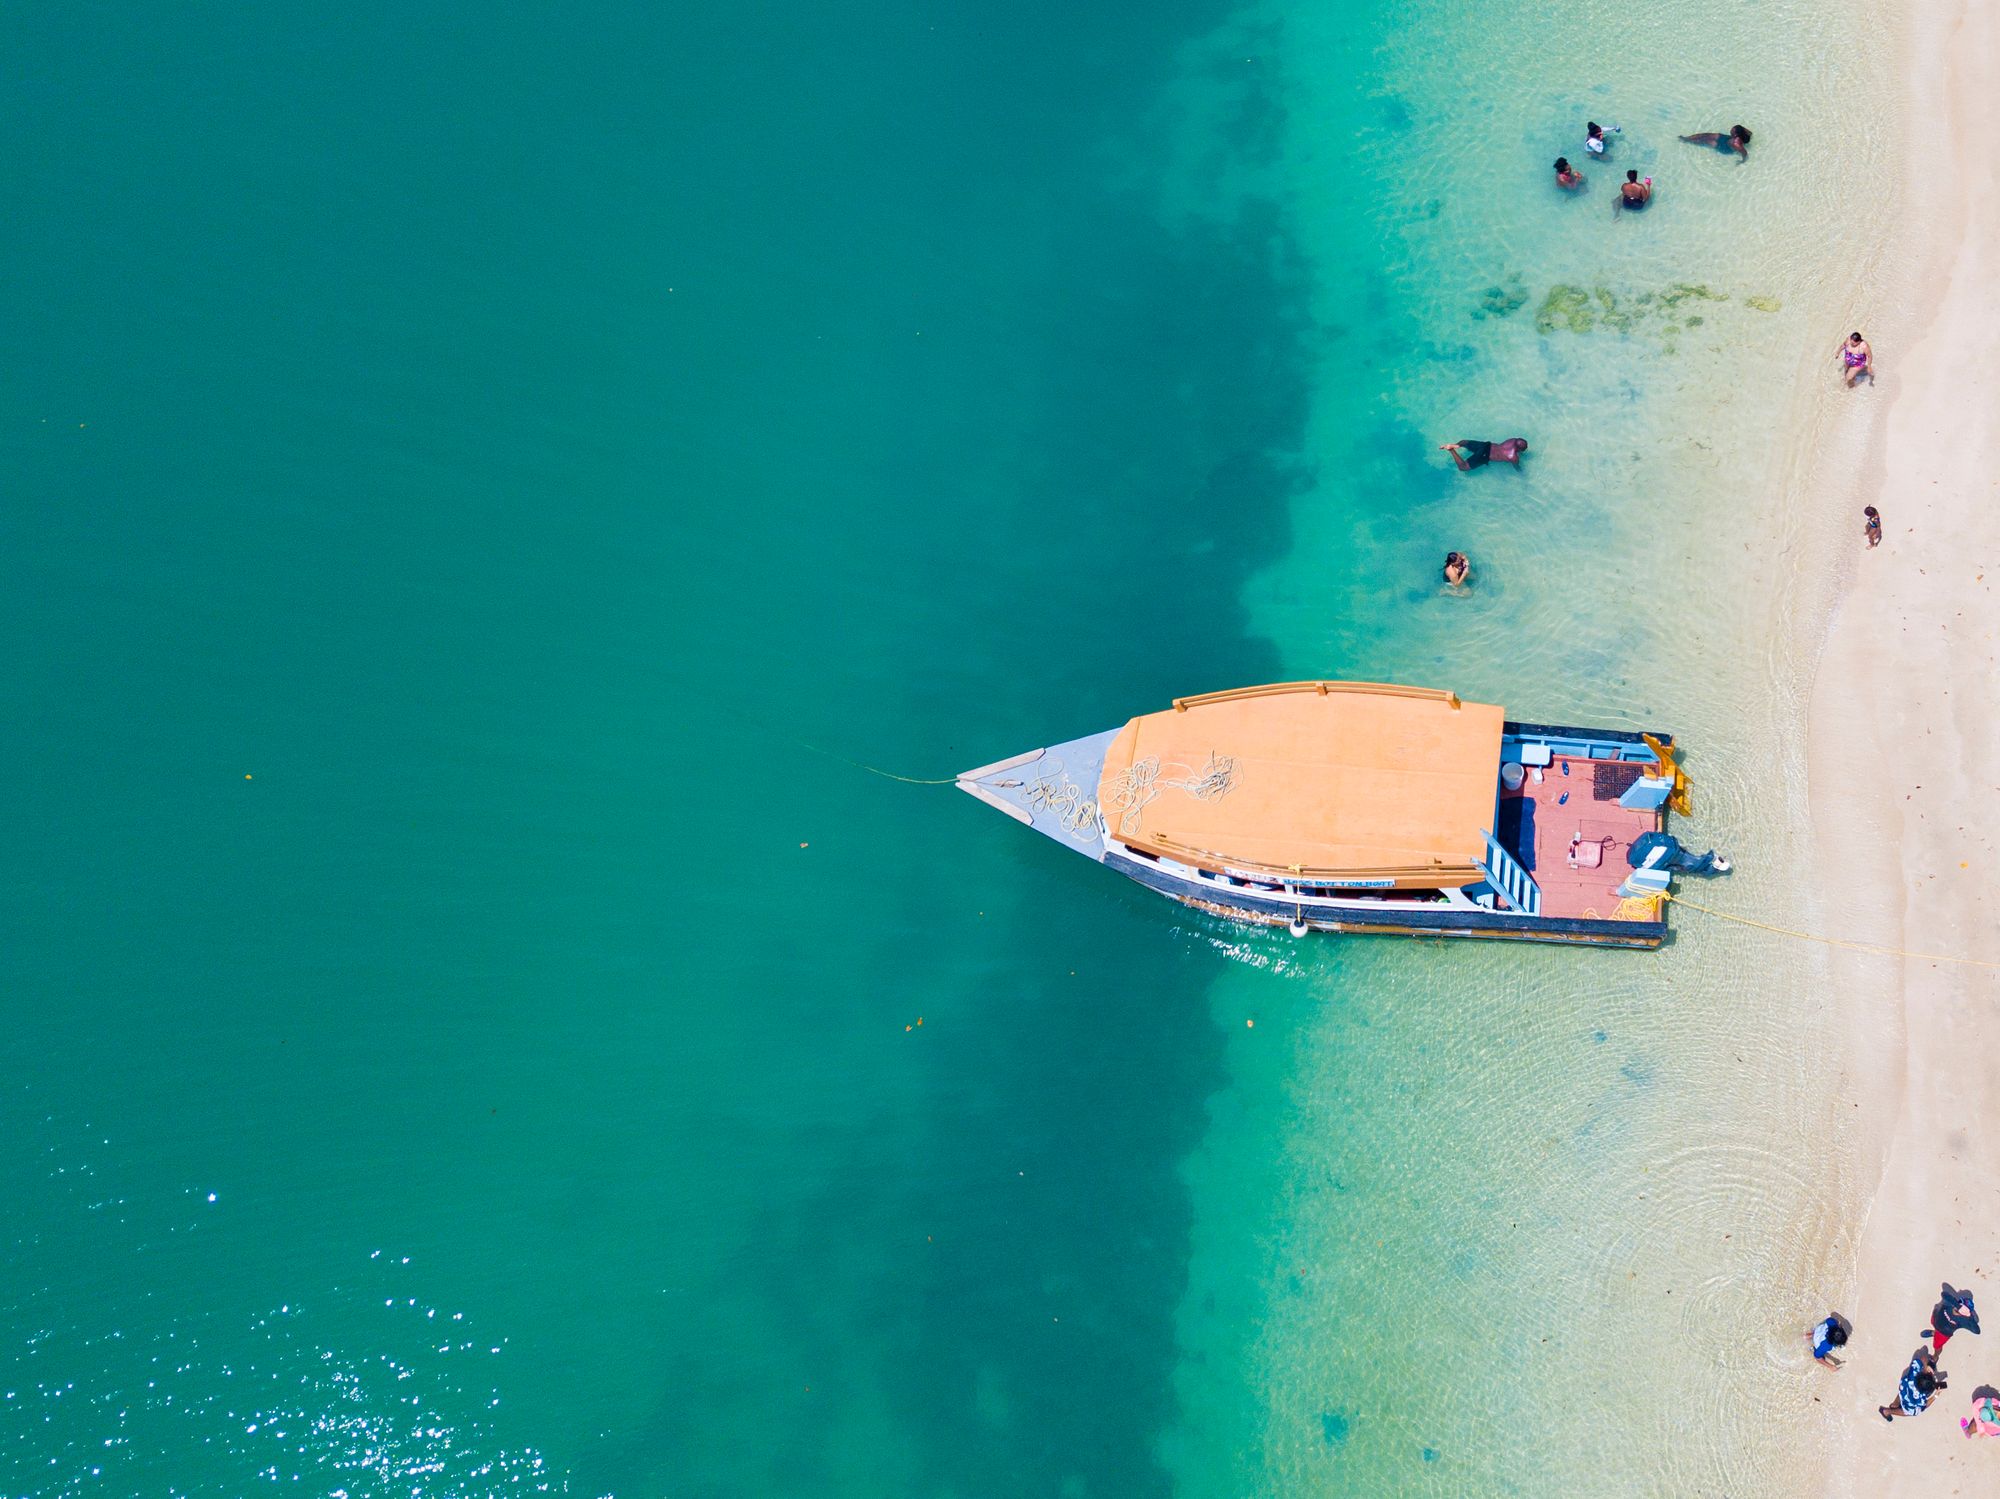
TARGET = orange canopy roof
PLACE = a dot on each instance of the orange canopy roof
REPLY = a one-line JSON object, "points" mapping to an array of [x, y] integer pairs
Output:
{"points": [[1352, 778]]}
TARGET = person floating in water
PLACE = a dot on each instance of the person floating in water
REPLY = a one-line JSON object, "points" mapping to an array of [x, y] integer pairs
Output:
{"points": [[1632, 193], [1953, 1313], [1593, 138], [1737, 140], [1871, 525], [1856, 359], [1567, 175], [1826, 1335], [1457, 568], [1657, 850], [1479, 453], [1919, 1383]]}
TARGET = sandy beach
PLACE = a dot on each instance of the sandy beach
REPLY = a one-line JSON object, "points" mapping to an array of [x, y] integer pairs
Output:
{"points": [[1905, 785]]}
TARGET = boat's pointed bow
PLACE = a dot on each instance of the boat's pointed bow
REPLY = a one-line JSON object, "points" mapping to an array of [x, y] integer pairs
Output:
{"points": [[1052, 790]]}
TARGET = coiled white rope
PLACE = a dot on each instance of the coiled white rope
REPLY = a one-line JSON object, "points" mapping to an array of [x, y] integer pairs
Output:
{"points": [[1136, 787]]}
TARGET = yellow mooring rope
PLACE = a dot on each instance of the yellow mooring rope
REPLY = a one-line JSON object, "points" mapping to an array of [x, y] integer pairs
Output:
{"points": [[1868, 947], [873, 770]]}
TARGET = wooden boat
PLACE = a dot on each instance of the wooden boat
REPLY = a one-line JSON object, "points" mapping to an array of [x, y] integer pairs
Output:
{"points": [[1364, 807]]}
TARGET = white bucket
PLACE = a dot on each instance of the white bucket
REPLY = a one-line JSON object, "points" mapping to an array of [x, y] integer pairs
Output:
{"points": [[1511, 776]]}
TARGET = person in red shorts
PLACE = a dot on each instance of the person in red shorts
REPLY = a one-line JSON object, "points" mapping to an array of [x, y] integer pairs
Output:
{"points": [[1953, 1313]]}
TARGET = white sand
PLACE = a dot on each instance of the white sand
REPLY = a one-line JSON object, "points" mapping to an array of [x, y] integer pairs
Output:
{"points": [[1905, 786]]}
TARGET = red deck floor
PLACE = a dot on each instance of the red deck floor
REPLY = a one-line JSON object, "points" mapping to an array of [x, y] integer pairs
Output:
{"points": [[1593, 787]]}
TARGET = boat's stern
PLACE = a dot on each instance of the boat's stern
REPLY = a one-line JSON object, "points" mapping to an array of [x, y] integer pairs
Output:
{"points": [[1052, 790]]}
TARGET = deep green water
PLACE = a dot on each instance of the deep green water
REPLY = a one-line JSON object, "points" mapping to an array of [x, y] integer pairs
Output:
{"points": [[505, 437], [475, 484]]}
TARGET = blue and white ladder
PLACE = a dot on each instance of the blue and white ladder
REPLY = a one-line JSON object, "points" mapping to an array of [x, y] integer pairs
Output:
{"points": [[1510, 879]]}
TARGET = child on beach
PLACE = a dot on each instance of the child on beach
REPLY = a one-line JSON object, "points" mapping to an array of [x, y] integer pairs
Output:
{"points": [[1871, 525], [1921, 1381], [1827, 1335], [1856, 359]]}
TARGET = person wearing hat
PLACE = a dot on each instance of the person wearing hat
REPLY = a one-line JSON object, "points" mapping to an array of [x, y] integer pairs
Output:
{"points": [[1953, 1313]]}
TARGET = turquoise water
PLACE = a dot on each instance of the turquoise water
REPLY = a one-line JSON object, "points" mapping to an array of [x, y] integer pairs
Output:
{"points": [[476, 477]]}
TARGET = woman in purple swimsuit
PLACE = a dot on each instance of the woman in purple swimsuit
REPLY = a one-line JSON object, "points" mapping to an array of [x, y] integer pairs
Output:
{"points": [[1856, 359]]}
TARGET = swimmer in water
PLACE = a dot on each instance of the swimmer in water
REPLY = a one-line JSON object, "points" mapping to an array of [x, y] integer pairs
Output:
{"points": [[1593, 138], [1457, 568], [1856, 359], [1632, 193], [1479, 453], [1737, 140], [1567, 175]]}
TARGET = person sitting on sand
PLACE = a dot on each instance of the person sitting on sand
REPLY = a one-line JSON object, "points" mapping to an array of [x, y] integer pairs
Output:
{"points": [[1953, 1313], [1985, 1418], [1856, 358], [1871, 525], [1919, 1383], [1593, 138], [1567, 175], [1457, 568], [1479, 453], [1827, 1335], [1632, 193], [1737, 140]]}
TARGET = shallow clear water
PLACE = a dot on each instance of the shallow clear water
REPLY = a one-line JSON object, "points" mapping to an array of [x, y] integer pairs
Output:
{"points": [[475, 480], [1484, 1220]]}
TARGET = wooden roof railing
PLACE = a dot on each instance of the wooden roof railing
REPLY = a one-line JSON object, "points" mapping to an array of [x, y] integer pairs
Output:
{"points": [[1370, 689], [1222, 863]]}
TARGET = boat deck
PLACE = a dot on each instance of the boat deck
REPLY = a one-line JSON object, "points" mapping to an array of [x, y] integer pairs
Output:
{"points": [[1575, 797]]}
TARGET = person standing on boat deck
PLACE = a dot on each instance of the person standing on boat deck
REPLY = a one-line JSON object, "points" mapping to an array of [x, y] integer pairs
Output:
{"points": [[1457, 568], [1737, 140], [1826, 1335], [1479, 453], [1632, 193], [1871, 525], [1953, 1313], [1856, 359], [1919, 1383]]}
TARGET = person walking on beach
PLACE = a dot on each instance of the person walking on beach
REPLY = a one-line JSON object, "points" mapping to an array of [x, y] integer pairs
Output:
{"points": [[1856, 359], [1953, 1313], [1457, 568], [1825, 1336], [1871, 525], [1479, 453], [1632, 193], [1737, 140], [1921, 1381], [1567, 175]]}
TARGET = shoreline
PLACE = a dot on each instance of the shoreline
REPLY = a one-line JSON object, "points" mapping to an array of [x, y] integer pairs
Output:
{"points": [[1905, 813], [1684, 1152]]}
